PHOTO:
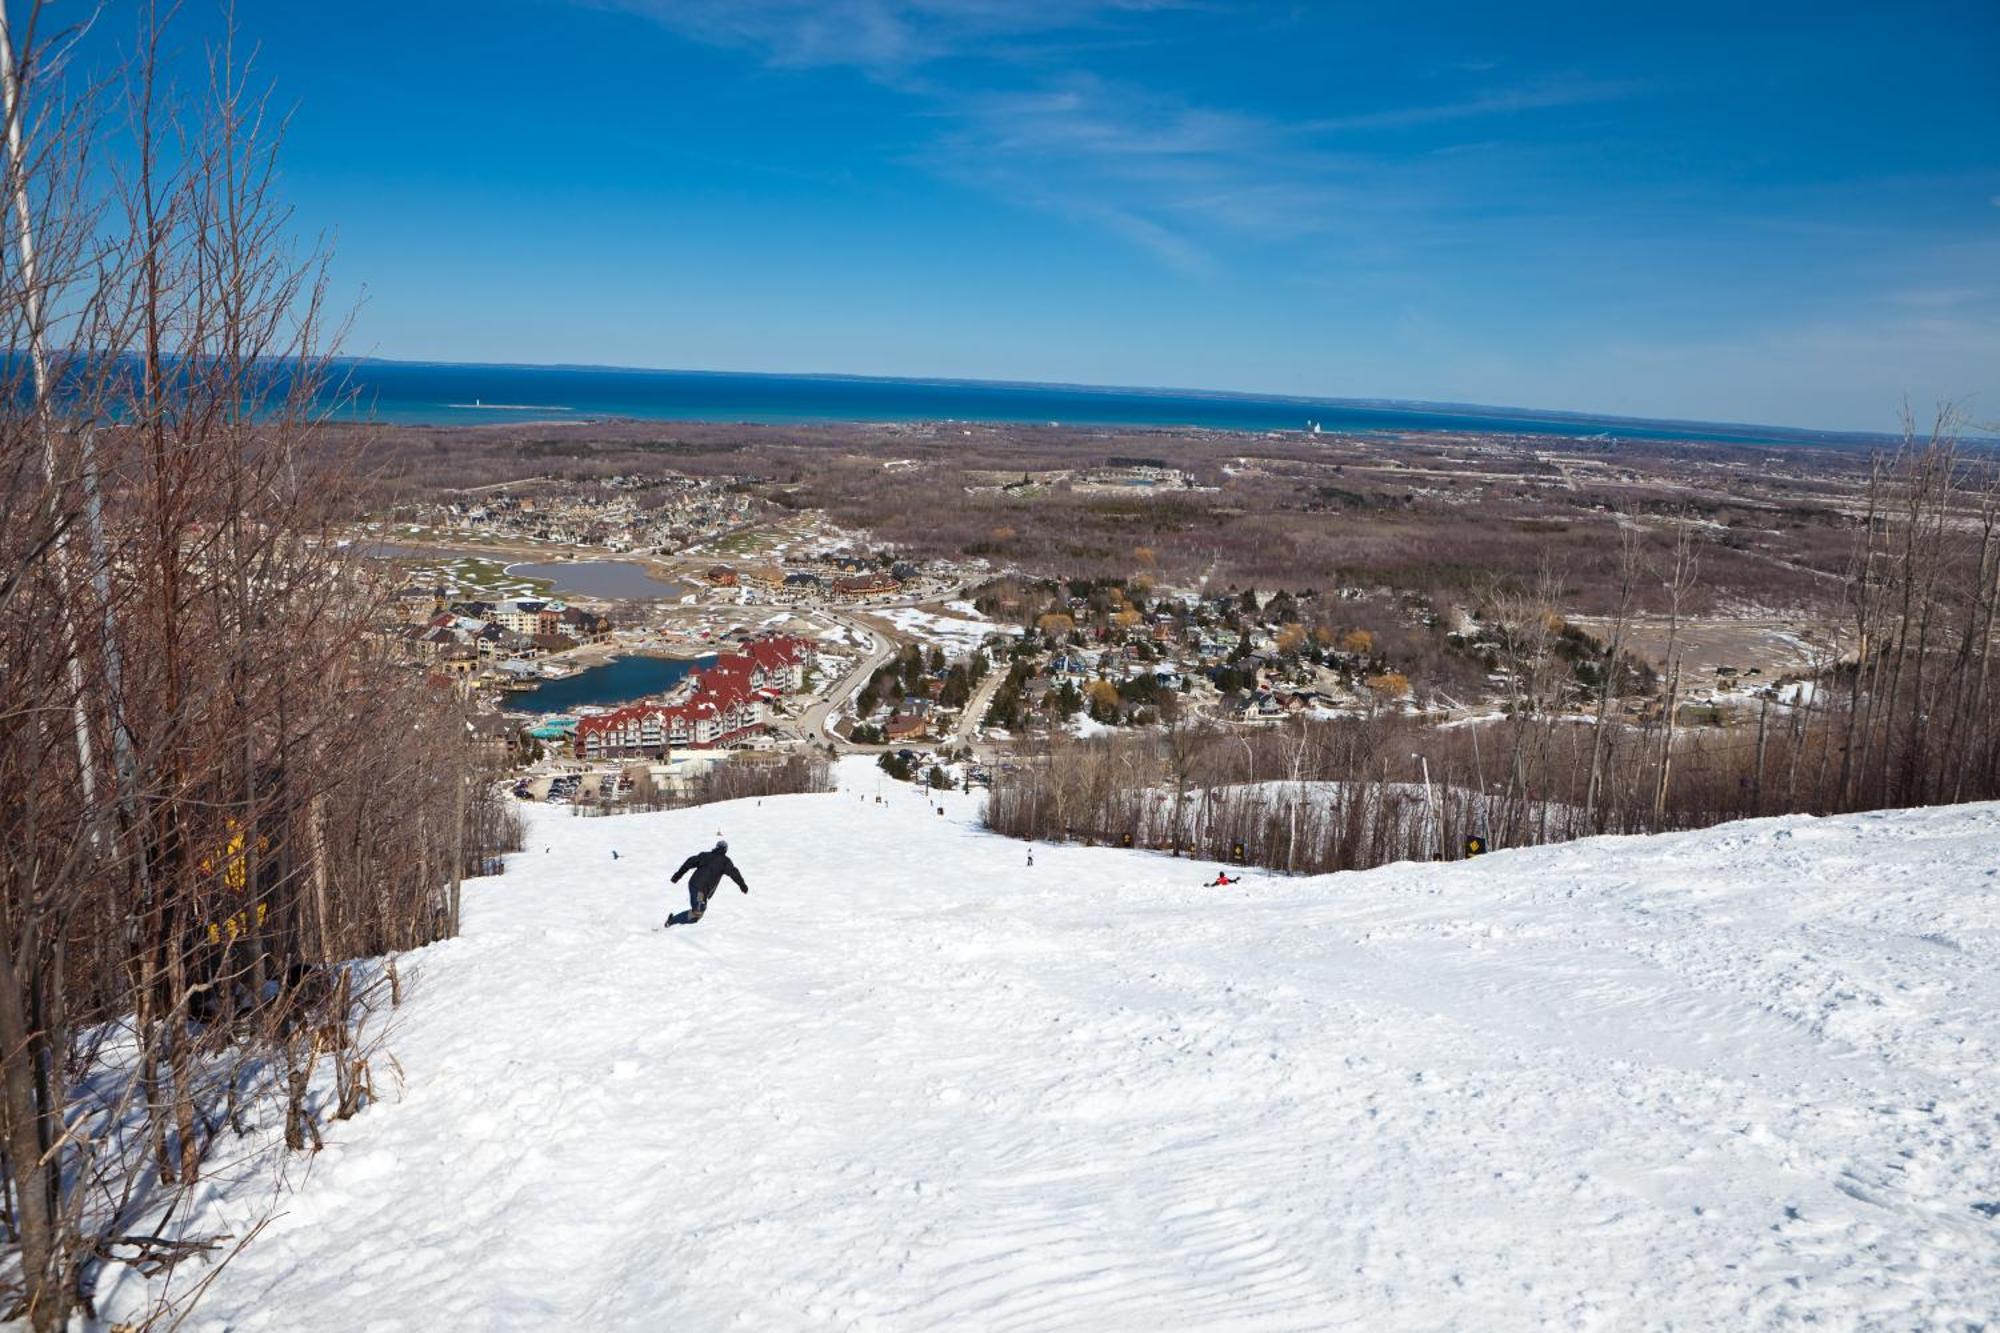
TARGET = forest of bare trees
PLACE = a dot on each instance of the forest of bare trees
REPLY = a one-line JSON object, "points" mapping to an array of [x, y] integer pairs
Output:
{"points": [[739, 778], [1906, 718], [213, 796]]}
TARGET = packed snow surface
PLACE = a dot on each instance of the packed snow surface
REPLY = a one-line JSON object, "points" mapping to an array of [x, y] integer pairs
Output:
{"points": [[1736, 1079]]}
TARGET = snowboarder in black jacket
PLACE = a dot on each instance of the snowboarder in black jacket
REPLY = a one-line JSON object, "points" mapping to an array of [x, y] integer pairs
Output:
{"points": [[709, 867]]}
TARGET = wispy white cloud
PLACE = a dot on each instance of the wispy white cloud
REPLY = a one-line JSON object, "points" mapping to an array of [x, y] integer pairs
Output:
{"points": [[1170, 177], [1502, 102], [1020, 116], [1934, 298], [878, 36], [1164, 243]]}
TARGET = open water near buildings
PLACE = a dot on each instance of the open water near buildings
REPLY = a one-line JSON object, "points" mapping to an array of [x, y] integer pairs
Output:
{"points": [[619, 681]]}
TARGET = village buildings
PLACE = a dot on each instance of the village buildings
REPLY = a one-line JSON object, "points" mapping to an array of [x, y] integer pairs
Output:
{"points": [[720, 705], [644, 515], [518, 630]]}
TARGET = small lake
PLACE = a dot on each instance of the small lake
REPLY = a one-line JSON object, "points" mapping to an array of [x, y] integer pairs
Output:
{"points": [[619, 681], [612, 580], [435, 554]]}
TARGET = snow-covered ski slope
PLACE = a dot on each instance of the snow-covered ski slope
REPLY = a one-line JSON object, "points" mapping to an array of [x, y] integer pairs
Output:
{"points": [[1737, 1079]]}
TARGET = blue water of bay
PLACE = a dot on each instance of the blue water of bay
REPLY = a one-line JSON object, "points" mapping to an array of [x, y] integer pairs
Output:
{"points": [[431, 393]]}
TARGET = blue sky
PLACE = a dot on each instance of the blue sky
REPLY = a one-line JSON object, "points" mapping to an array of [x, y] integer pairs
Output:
{"points": [[1790, 215]]}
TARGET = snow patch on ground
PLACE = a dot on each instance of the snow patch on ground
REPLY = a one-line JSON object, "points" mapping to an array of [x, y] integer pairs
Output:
{"points": [[1085, 726], [1730, 1079], [957, 634]]}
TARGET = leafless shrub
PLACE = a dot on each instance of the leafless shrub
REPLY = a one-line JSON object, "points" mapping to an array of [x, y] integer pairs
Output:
{"points": [[740, 777], [213, 795], [737, 780], [1911, 723]]}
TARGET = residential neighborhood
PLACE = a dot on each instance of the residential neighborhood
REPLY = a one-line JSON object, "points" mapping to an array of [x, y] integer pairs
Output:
{"points": [[659, 513], [793, 635]]}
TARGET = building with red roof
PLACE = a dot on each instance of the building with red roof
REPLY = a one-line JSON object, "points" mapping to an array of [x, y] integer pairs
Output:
{"points": [[725, 703]]}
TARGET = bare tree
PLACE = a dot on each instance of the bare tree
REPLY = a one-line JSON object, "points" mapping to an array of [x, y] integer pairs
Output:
{"points": [[1679, 581], [1630, 563], [218, 793]]}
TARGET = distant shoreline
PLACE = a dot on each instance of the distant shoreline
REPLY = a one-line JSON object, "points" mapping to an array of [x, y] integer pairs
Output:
{"points": [[441, 395]]}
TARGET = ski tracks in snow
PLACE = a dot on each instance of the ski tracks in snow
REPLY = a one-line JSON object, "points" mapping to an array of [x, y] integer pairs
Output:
{"points": [[1741, 1078]]}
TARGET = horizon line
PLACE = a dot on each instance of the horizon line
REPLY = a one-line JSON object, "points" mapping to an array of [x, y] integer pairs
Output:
{"points": [[1250, 395]]}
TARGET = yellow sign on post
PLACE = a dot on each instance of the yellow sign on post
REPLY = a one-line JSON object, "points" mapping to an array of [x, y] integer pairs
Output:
{"points": [[234, 861], [237, 923], [235, 865]]}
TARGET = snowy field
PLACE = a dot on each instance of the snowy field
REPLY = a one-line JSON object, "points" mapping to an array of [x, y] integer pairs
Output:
{"points": [[1728, 1080], [957, 634]]}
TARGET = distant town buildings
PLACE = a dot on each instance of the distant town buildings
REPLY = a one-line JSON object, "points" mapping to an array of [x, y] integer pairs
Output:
{"points": [[658, 515]]}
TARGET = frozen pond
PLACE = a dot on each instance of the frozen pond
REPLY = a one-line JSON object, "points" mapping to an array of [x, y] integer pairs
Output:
{"points": [[398, 551], [612, 580]]}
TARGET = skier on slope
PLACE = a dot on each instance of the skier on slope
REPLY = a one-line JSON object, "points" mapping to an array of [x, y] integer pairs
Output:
{"points": [[709, 867]]}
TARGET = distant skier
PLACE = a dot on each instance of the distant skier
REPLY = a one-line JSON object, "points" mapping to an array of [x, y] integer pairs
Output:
{"points": [[709, 867], [1222, 879]]}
